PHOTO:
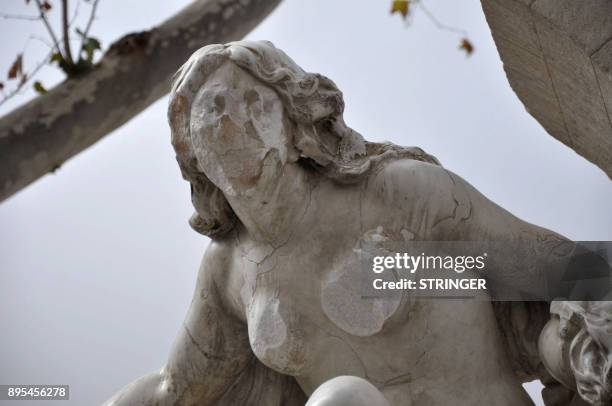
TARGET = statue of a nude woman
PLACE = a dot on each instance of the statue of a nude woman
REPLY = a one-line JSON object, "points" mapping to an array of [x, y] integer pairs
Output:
{"points": [[286, 190]]}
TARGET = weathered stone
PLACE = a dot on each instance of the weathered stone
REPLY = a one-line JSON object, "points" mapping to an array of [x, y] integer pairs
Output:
{"points": [[292, 198], [556, 57], [588, 24], [602, 63]]}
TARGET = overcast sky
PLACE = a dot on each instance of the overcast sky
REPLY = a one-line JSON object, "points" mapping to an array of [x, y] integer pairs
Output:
{"points": [[98, 263]]}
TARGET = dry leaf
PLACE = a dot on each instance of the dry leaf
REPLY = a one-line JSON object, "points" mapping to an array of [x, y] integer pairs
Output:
{"points": [[16, 68], [46, 6], [400, 6], [466, 46]]}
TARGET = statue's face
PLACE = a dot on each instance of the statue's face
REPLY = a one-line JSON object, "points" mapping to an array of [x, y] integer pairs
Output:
{"points": [[239, 131]]}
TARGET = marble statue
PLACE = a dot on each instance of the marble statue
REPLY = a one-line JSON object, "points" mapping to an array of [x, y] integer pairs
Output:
{"points": [[286, 190]]}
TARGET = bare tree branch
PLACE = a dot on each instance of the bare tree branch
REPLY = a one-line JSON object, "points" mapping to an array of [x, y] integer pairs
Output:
{"points": [[25, 79], [9, 16], [40, 136], [43, 17], [39, 39], [92, 16], [75, 14], [65, 28], [28, 76], [438, 24]]}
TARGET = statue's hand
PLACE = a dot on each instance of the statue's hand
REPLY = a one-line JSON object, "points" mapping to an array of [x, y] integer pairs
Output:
{"points": [[347, 391]]}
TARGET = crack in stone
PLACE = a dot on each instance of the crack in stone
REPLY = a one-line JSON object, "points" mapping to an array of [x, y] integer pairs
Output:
{"points": [[603, 100], [552, 85], [599, 48], [200, 349], [457, 204]]}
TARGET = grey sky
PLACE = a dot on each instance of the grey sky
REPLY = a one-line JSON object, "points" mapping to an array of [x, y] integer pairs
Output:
{"points": [[98, 263]]}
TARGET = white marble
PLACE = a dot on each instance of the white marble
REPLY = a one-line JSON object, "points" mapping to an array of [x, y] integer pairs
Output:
{"points": [[287, 191]]}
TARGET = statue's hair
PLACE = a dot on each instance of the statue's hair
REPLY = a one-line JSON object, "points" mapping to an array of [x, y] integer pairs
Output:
{"points": [[586, 326], [313, 103]]}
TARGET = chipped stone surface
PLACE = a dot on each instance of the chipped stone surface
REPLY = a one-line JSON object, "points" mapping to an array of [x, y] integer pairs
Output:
{"points": [[556, 55], [342, 302], [291, 197]]}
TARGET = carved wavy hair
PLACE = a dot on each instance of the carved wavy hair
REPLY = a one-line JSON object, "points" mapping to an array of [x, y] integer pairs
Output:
{"points": [[312, 101], [591, 348]]}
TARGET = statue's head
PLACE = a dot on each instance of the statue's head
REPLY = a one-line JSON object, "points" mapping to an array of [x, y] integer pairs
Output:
{"points": [[240, 112], [576, 348]]}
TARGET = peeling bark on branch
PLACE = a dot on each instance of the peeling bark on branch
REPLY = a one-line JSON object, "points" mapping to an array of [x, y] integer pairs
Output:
{"points": [[38, 137]]}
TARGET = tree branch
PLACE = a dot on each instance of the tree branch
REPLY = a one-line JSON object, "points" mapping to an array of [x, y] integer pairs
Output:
{"points": [[9, 16], [26, 79], [438, 24], [39, 39], [38, 137], [75, 14], [66, 27], [45, 21], [92, 16]]}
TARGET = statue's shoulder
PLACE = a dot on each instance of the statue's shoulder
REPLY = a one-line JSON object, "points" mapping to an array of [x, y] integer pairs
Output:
{"points": [[216, 262], [217, 276], [409, 176]]}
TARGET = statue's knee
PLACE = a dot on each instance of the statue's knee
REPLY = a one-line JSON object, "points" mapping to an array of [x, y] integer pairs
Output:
{"points": [[347, 391]]}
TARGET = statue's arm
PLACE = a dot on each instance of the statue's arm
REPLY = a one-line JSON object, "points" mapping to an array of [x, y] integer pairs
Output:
{"points": [[521, 255], [439, 205], [208, 356]]}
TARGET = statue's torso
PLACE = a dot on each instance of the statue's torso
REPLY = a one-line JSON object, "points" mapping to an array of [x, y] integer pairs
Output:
{"points": [[306, 317]]}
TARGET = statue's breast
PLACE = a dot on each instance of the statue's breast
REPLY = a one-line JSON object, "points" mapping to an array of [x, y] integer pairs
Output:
{"points": [[274, 320], [295, 301], [345, 299], [276, 333], [288, 304]]}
